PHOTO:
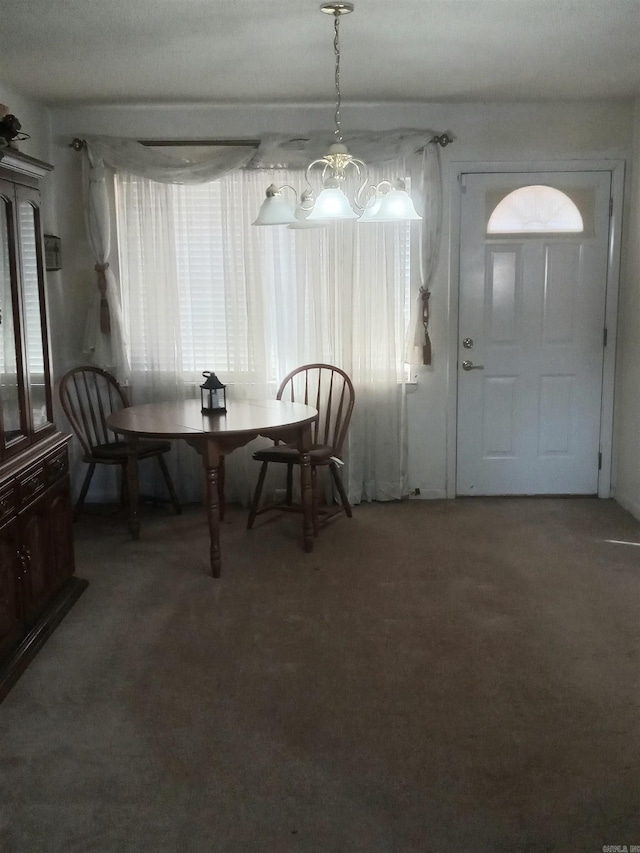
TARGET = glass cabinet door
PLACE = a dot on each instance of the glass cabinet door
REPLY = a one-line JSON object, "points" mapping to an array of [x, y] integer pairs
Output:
{"points": [[12, 420], [36, 353]]}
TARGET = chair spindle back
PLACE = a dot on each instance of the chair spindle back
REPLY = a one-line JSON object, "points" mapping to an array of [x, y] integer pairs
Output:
{"points": [[329, 390], [88, 396]]}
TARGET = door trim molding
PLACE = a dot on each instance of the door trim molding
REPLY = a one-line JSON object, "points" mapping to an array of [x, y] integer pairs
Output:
{"points": [[616, 168]]}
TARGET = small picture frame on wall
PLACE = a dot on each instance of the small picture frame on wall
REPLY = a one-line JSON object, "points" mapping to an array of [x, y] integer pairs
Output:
{"points": [[52, 256]]}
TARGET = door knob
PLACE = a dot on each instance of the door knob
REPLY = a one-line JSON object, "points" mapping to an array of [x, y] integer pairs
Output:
{"points": [[469, 365]]}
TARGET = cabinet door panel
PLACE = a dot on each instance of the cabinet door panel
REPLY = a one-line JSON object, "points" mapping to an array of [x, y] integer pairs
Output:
{"points": [[36, 345], [10, 614], [12, 420], [61, 521], [34, 525]]}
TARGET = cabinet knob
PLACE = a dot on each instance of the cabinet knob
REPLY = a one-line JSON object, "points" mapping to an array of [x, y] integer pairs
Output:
{"points": [[32, 485], [58, 466]]}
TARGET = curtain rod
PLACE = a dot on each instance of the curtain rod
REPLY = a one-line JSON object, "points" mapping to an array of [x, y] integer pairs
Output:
{"points": [[78, 144]]}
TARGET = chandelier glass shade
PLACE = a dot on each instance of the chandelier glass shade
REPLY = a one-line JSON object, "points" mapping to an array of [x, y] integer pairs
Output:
{"points": [[338, 170]]}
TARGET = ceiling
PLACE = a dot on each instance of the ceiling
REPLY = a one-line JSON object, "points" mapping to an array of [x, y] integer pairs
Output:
{"points": [[74, 52]]}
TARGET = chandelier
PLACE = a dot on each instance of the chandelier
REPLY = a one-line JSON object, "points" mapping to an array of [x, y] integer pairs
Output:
{"points": [[386, 201]]}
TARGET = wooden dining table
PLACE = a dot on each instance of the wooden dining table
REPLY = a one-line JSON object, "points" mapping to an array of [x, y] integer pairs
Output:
{"points": [[215, 436]]}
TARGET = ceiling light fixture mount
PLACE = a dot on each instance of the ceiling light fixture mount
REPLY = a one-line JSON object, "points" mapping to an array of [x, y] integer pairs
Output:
{"points": [[337, 8], [387, 201]]}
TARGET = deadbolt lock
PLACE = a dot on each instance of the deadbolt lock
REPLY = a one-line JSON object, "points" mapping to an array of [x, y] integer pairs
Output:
{"points": [[467, 343]]}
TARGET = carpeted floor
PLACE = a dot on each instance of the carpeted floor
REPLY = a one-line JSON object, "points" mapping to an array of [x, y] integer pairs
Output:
{"points": [[444, 677]]}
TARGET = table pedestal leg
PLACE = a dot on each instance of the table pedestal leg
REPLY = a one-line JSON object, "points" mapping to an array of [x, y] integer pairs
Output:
{"points": [[133, 487], [306, 491], [211, 459]]}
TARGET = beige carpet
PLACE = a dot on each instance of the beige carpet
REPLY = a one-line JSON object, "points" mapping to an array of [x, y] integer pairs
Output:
{"points": [[453, 677]]}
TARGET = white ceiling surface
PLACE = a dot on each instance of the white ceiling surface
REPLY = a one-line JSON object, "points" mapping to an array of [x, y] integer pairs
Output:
{"points": [[74, 52]]}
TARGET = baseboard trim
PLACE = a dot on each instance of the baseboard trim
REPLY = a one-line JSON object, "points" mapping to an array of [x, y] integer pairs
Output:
{"points": [[631, 506]]}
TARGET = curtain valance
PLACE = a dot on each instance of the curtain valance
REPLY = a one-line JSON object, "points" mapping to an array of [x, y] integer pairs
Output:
{"points": [[199, 164], [296, 152], [203, 163]]}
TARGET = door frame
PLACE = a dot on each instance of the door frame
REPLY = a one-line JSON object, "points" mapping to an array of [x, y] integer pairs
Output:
{"points": [[617, 170]]}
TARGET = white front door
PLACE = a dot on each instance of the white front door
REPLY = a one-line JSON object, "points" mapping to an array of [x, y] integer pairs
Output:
{"points": [[531, 342]]}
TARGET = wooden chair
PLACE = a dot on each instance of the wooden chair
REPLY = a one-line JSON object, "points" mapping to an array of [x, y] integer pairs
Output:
{"points": [[88, 396], [330, 391]]}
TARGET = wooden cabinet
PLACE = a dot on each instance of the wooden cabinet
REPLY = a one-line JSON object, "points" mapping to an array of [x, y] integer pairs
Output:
{"points": [[37, 582]]}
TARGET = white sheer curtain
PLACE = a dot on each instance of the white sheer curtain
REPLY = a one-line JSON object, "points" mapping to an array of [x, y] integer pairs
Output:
{"points": [[105, 341], [429, 178], [252, 303], [284, 298], [105, 338], [163, 259]]}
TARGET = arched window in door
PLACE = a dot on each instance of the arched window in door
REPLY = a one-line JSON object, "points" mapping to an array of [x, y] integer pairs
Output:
{"points": [[534, 210]]}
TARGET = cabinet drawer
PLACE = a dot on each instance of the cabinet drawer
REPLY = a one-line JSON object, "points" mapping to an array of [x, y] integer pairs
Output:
{"points": [[32, 483], [7, 501], [57, 465]]}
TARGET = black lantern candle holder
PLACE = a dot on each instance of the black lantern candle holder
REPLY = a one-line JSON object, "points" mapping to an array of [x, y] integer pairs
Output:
{"points": [[212, 394]]}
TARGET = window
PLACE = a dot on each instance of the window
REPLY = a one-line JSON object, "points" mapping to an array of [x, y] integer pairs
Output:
{"points": [[536, 209], [205, 290]]}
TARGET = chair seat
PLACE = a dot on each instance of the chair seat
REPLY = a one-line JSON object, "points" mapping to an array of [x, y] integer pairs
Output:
{"points": [[320, 454], [116, 451]]}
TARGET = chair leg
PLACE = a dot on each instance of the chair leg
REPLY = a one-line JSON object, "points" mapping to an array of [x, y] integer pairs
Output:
{"points": [[315, 499], [124, 486], [167, 479], [337, 479], [256, 496], [84, 489], [289, 498]]}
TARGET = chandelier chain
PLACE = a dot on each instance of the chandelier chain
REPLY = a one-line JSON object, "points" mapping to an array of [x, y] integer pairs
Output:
{"points": [[336, 50]]}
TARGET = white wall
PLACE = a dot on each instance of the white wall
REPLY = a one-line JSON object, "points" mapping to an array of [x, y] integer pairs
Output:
{"points": [[483, 132], [627, 409], [35, 121]]}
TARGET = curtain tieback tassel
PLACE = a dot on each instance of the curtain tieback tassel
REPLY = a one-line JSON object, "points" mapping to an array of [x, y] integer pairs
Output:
{"points": [[426, 345], [105, 317]]}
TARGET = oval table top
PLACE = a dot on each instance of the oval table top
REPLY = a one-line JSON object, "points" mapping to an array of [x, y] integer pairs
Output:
{"points": [[185, 419]]}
